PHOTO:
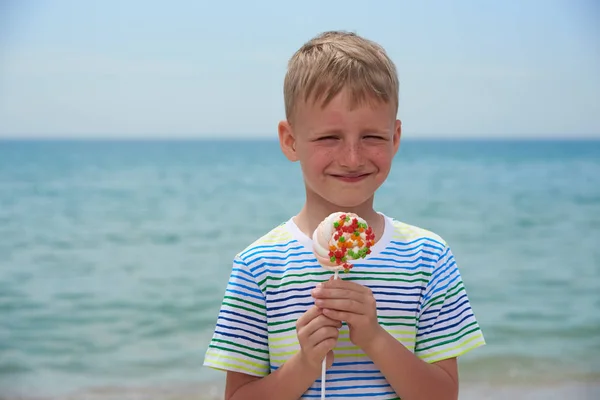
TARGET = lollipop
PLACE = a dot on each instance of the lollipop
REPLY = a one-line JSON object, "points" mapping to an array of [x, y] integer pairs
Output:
{"points": [[338, 240]]}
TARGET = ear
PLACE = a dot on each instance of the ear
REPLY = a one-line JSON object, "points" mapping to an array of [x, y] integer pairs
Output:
{"points": [[397, 135], [287, 141]]}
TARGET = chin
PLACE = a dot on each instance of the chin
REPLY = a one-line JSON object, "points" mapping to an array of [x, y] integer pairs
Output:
{"points": [[344, 198], [348, 202]]}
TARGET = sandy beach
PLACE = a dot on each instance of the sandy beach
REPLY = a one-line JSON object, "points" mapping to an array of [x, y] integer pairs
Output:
{"points": [[560, 391], [214, 391]]}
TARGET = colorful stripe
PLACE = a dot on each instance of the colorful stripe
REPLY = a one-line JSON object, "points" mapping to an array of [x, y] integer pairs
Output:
{"points": [[421, 301]]}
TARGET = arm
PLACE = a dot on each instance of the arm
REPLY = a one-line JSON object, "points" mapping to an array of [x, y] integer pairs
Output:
{"points": [[317, 335], [287, 383], [410, 377]]}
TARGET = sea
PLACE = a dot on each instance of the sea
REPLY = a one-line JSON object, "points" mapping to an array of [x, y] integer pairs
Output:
{"points": [[114, 254]]}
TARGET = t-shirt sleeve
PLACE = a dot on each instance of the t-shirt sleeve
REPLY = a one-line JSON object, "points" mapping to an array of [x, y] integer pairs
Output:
{"points": [[446, 325], [240, 341]]}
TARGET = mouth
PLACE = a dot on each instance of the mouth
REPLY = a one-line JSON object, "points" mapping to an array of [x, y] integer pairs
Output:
{"points": [[350, 177]]}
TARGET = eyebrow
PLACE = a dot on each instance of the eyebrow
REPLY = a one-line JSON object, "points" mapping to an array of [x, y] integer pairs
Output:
{"points": [[337, 131], [376, 130], [326, 132]]}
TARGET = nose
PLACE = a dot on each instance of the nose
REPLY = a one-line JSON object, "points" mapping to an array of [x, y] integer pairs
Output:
{"points": [[351, 156]]}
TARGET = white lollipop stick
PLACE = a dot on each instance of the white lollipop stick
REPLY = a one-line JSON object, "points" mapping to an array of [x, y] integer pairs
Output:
{"points": [[324, 366], [356, 236]]}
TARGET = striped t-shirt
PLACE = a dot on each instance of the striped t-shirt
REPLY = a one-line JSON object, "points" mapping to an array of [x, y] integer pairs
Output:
{"points": [[412, 273]]}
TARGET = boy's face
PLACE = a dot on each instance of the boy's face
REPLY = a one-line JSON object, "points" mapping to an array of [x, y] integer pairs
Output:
{"points": [[345, 154]]}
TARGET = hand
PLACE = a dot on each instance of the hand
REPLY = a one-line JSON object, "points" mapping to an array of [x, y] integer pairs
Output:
{"points": [[318, 336], [348, 301]]}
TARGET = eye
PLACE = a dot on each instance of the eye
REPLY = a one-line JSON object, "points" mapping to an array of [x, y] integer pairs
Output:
{"points": [[326, 138], [375, 137]]}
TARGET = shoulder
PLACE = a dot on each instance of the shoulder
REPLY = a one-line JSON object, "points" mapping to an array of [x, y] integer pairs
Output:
{"points": [[275, 240], [404, 233], [429, 247], [436, 259]]}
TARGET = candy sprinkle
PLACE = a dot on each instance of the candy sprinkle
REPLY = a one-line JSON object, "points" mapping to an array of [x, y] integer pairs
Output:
{"points": [[352, 240]]}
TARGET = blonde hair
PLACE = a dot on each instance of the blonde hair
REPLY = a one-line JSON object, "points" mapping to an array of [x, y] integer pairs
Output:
{"points": [[335, 60]]}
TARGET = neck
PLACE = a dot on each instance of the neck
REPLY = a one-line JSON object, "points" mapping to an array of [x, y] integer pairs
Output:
{"points": [[313, 212]]}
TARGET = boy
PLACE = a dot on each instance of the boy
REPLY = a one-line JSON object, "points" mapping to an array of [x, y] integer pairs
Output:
{"points": [[391, 328]]}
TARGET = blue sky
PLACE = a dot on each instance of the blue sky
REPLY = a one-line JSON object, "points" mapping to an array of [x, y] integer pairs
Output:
{"points": [[215, 69]]}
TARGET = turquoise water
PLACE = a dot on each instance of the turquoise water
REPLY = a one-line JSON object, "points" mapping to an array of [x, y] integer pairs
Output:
{"points": [[114, 255]]}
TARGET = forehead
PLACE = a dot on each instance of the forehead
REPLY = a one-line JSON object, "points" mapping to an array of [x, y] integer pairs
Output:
{"points": [[344, 108]]}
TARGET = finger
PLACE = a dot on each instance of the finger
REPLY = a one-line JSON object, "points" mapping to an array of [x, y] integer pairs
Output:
{"points": [[348, 317], [308, 316], [346, 284], [347, 305], [336, 293], [319, 322], [325, 346], [321, 334]]}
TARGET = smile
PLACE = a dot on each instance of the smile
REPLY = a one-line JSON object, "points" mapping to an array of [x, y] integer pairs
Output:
{"points": [[351, 178]]}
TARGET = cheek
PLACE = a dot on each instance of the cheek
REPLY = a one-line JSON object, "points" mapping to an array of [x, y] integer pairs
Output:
{"points": [[381, 157], [317, 160]]}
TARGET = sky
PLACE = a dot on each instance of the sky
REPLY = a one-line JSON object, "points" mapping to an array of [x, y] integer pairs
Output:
{"points": [[196, 69]]}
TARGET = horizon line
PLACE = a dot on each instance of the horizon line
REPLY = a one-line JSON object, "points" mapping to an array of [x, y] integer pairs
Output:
{"points": [[138, 138]]}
